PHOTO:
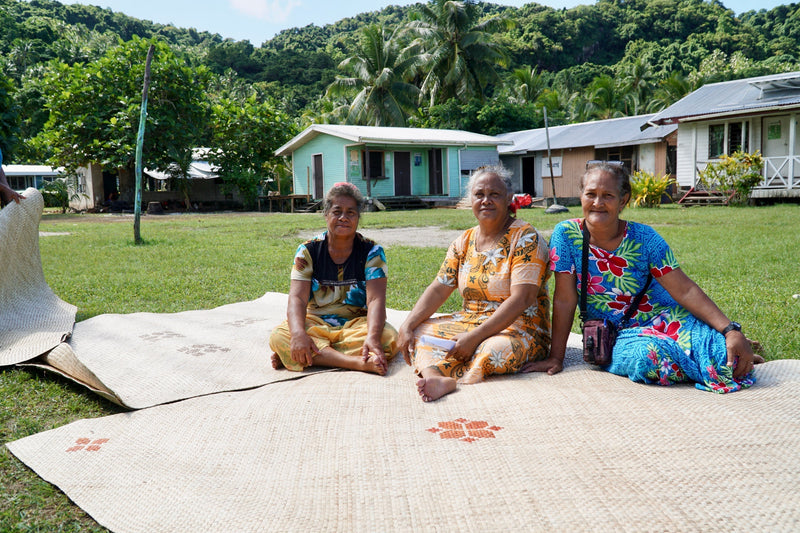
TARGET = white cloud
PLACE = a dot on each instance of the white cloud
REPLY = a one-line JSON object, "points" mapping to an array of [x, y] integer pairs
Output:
{"points": [[270, 10]]}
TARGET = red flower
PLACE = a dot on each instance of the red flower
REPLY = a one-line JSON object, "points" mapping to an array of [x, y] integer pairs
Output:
{"points": [[608, 262], [663, 330], [594, 284], [623, 301], [553, 259], [658, 272]]}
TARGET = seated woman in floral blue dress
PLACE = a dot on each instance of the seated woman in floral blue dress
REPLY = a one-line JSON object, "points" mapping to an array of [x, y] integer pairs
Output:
{"points": [[677, 333]]}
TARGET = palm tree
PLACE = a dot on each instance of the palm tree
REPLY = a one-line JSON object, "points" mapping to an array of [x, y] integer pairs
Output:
{"points": [[605, 99], [528, 84], [383, 96], [459, 55], [670, 90]]}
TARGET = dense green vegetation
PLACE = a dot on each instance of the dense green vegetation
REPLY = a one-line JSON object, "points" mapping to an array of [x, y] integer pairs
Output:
{"points": [[469, 65]]}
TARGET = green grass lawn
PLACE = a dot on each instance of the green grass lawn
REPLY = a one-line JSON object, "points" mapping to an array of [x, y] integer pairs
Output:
{"points": [[744, 258]]}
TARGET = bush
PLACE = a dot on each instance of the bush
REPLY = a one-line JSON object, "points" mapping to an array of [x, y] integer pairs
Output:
{"points": [[737, 174], [647, 188]]}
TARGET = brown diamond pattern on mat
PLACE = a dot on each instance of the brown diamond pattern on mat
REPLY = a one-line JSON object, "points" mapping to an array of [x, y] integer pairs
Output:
{"points": [[465, 430], [202, 349], [159, 335], [88, 445], [242, 322]]}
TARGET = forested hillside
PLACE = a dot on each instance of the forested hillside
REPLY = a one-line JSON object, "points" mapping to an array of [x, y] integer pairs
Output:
{"points": [[475, 66]]}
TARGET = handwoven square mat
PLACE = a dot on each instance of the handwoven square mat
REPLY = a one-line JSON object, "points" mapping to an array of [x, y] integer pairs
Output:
{"points": [[345, 451]]}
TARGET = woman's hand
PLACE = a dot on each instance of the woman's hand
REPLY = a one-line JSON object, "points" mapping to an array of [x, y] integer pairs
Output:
{"points": [[740, 354], [466, 344], [551, 365], [374, 349], [406, 342], [303, 349]]}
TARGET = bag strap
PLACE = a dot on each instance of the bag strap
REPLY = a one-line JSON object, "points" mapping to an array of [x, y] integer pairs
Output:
{"points": [[584, 269], [585, 282], [636, 301]]}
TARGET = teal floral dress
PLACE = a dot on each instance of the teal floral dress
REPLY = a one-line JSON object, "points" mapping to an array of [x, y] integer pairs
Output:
{"points": [[663, 343]]}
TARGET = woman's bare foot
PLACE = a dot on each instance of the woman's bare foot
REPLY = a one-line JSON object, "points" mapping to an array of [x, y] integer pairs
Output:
{"points": [[328, 357], [434, 387], [758, 350], [277, 364], [376, 364]]}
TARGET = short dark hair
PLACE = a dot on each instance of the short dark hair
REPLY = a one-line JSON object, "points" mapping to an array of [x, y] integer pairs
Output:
{"points": [[616, 169], [342, 188]]}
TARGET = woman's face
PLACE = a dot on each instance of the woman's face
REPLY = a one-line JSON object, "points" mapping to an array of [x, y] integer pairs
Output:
{"points": [[342, 219], [490, 199], [600, 198]]}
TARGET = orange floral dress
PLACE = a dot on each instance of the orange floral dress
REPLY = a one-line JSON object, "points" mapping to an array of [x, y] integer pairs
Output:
{"points": [[484, 280]]}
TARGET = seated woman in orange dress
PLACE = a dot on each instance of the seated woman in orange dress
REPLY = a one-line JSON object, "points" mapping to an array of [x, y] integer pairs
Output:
{"points": [[500, 270]]}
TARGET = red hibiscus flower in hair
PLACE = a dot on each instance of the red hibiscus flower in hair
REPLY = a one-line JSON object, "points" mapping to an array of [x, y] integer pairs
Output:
{"points": [[658, 272], [664, 330], [608, 262]]}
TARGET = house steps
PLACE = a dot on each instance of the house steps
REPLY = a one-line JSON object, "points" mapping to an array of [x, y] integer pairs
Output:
{"points": [[705, 197], [403, 203]]}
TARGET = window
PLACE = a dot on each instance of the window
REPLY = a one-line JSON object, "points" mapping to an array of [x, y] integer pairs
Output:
{"points": [[716, 141], [374, 159], [728, 138], [626, 154]]}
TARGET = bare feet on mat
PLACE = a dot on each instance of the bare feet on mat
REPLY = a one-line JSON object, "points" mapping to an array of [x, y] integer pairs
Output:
{"points": [[434, 387], [277, 364], [376, 364]]}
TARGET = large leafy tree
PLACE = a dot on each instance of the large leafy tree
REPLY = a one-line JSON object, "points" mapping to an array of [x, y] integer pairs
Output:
{"points": [[94, 110], [460, 57], [380, 94], [246, 134]]}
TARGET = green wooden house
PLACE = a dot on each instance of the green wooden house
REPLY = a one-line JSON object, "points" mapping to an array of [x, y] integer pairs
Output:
{"points": [[386, 162]]}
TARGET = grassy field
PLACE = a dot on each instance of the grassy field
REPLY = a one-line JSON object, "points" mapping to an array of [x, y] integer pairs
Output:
{"points": [[745, 259]]}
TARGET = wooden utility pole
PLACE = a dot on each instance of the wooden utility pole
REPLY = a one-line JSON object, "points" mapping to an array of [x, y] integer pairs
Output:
{"points": [[137, 202]]}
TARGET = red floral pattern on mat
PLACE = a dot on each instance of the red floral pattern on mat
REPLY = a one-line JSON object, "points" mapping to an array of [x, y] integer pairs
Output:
{"points": [[88, 445], [465, 430]]}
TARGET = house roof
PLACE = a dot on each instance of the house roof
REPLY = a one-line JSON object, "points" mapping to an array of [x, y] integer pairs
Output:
{"points": [[390, 135], [776, 91], [32, 170], [623, 131]]}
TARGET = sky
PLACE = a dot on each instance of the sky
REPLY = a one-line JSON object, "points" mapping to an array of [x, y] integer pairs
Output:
{"points": [[260, 20]]}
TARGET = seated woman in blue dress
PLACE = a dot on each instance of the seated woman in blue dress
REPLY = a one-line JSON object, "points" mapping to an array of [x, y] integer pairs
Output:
{"points": [[677, 333]]}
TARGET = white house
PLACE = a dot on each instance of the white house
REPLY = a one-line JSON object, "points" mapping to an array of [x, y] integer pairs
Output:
{"points": [[753, 114]]}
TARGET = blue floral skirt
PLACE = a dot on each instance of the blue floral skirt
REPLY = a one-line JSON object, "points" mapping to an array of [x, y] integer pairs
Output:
{"points": [[654, 358]]}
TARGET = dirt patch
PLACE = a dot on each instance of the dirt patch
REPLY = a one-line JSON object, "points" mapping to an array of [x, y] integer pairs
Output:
{"points": [[420, 237]]}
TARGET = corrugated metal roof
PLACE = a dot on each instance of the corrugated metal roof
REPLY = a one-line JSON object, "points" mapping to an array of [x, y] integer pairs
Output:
{"points": [[390, 135], [735, 97], [623, 131]]}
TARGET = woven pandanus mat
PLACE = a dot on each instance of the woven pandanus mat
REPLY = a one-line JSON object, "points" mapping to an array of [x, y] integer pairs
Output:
{"points": [[344, 451], [143, 359], [32, 318]]}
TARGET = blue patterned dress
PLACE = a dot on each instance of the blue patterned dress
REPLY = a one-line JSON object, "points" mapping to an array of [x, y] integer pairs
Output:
{"points": [[664, 343]]}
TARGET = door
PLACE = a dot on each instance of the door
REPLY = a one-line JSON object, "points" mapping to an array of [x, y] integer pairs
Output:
{"points": [[319, 184], [402, 173], [529, 175], [435, 187]]}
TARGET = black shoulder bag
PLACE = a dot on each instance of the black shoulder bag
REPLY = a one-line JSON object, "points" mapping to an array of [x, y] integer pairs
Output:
{"points": [[599, 335]]}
